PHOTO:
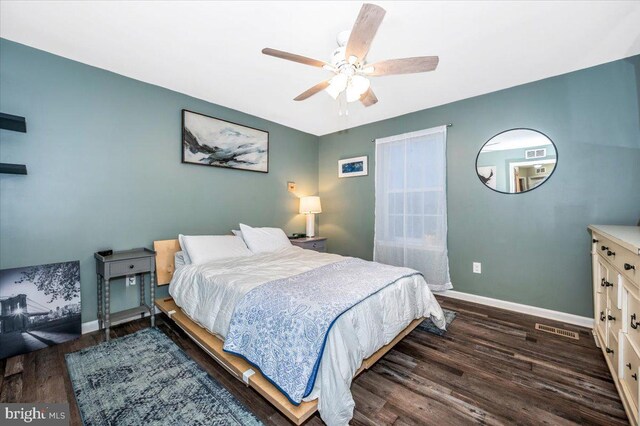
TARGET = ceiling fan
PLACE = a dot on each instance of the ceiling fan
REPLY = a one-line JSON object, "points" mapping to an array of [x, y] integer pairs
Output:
{"points": [[349, 65]]}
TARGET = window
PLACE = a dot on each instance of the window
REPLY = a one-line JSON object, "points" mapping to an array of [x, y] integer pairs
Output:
{"points": [[410, 228]]}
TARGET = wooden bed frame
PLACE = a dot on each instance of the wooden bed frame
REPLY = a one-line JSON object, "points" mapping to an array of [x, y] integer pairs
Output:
{"points": [[165, 251]]}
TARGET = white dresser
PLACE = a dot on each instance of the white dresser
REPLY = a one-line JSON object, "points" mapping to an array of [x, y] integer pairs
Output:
{"points": [[616, 295]]}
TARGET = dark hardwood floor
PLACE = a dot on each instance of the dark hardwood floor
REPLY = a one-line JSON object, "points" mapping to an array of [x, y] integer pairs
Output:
{"points": [[492, 367]]}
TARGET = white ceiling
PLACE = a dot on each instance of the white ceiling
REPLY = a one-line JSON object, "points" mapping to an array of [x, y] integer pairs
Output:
{"points": [[211, 50]]}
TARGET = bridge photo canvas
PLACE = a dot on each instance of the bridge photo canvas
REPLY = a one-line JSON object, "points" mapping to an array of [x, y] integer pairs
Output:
{"points": [[39, 307]]}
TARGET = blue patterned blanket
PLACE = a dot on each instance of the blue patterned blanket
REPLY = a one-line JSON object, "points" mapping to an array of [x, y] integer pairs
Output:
{"points": [[281, 326]]}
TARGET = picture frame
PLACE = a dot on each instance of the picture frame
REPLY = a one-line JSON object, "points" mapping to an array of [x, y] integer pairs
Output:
{"points": [[353, 167], [210, 141], [487, 175], [40, 306]]}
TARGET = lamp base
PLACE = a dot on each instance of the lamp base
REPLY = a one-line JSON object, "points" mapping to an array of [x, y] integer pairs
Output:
{"points": [[311, 222]]}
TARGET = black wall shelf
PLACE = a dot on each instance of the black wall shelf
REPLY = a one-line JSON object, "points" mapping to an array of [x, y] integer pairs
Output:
{"points": [[13, 169], [13, 122], [16, 124]]}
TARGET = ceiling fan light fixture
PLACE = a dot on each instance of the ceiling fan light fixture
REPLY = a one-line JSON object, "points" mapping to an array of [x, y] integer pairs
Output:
{"points": [[348, 62], [357, 86], [352, 94], [360, 84], [337, 85]]}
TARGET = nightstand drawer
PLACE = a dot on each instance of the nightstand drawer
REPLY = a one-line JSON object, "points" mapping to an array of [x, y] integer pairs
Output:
{"points": [[128, 267], [317, 245]]}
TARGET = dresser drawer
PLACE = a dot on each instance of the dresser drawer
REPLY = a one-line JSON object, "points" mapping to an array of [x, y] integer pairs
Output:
{"points": [[612, 354], [630, 361], [631, 324], [601, 315], [602, 269], [614, 290], [129, 267], [614, 320], [622, 259]]}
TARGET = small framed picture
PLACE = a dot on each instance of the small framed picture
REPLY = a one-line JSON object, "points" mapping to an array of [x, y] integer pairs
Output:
{"points": [[352, 167]]}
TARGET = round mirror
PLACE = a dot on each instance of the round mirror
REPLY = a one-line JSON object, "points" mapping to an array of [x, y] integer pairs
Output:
{"points": [[516, 160]]}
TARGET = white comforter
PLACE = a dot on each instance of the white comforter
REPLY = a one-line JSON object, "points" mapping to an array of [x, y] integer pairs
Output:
{"points": [[209, 293]]}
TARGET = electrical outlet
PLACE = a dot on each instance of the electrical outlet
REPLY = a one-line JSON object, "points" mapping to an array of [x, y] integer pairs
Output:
{"points": [[291, 186], [477, 267], [131, 280]]}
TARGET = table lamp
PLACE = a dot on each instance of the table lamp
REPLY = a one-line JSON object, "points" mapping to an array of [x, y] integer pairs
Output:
{"points": [[310, 206]]}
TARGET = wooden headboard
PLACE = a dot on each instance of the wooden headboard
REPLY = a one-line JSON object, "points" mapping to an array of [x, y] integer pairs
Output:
{"points": [[165, 252]]}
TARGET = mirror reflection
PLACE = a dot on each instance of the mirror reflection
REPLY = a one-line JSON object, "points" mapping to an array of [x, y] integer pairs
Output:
{"points": [[516, 160]]}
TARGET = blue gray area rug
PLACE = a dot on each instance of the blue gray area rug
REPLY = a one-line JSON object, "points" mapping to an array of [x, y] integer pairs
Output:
{"points": [[146, 379], [428, 325]]}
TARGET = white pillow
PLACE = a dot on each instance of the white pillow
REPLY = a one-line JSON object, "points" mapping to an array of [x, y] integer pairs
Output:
{"points": [[205, 248], [237, 232], [263, 240], [185, 255], [179, 259]]}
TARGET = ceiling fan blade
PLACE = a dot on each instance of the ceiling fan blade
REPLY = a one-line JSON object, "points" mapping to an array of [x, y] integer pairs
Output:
{"points": [[368, 98], [364, 29], [312, 91], [293, 57], [403, 66]]}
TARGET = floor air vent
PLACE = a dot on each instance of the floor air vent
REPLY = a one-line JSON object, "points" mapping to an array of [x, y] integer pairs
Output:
{"points": [[559, 331]]}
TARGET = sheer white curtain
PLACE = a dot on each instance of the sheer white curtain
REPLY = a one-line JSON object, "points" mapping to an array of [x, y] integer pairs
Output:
{"points": [[411, 204]]}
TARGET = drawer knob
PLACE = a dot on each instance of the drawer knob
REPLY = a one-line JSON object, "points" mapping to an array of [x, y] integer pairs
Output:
{"points": [[609, 350], [611, 318], [629, 366], [594, 241], [131, 266], [603, 248], [633, 323], [606, 283], [635, 377], [602, 317], [628, 267], [611, 253]]}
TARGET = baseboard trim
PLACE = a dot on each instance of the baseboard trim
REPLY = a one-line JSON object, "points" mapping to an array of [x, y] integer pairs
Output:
{"points": [[91, 326], [518, 307]]}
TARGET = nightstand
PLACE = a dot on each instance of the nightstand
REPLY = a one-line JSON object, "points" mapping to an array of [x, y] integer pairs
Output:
{"points": [[120, 264], [312, 243]]}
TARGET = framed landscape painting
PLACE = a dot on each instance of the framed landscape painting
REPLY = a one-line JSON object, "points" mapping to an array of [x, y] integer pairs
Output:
{"points": [[209, 141], [351, 167], [39, 307]]}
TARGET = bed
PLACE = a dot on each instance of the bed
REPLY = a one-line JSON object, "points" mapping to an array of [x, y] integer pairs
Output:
{"points": [[204, 298]]}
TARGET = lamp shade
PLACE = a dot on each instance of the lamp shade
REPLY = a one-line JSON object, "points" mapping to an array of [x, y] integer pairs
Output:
{"points": [[310, 205]]}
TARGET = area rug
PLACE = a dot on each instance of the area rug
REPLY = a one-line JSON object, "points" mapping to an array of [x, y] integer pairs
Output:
{"points": [[428, 325], [146, 379]]}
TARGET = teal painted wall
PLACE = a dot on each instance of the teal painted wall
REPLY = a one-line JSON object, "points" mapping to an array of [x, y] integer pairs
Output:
{"points": [[534, 247], [103, 155]]}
